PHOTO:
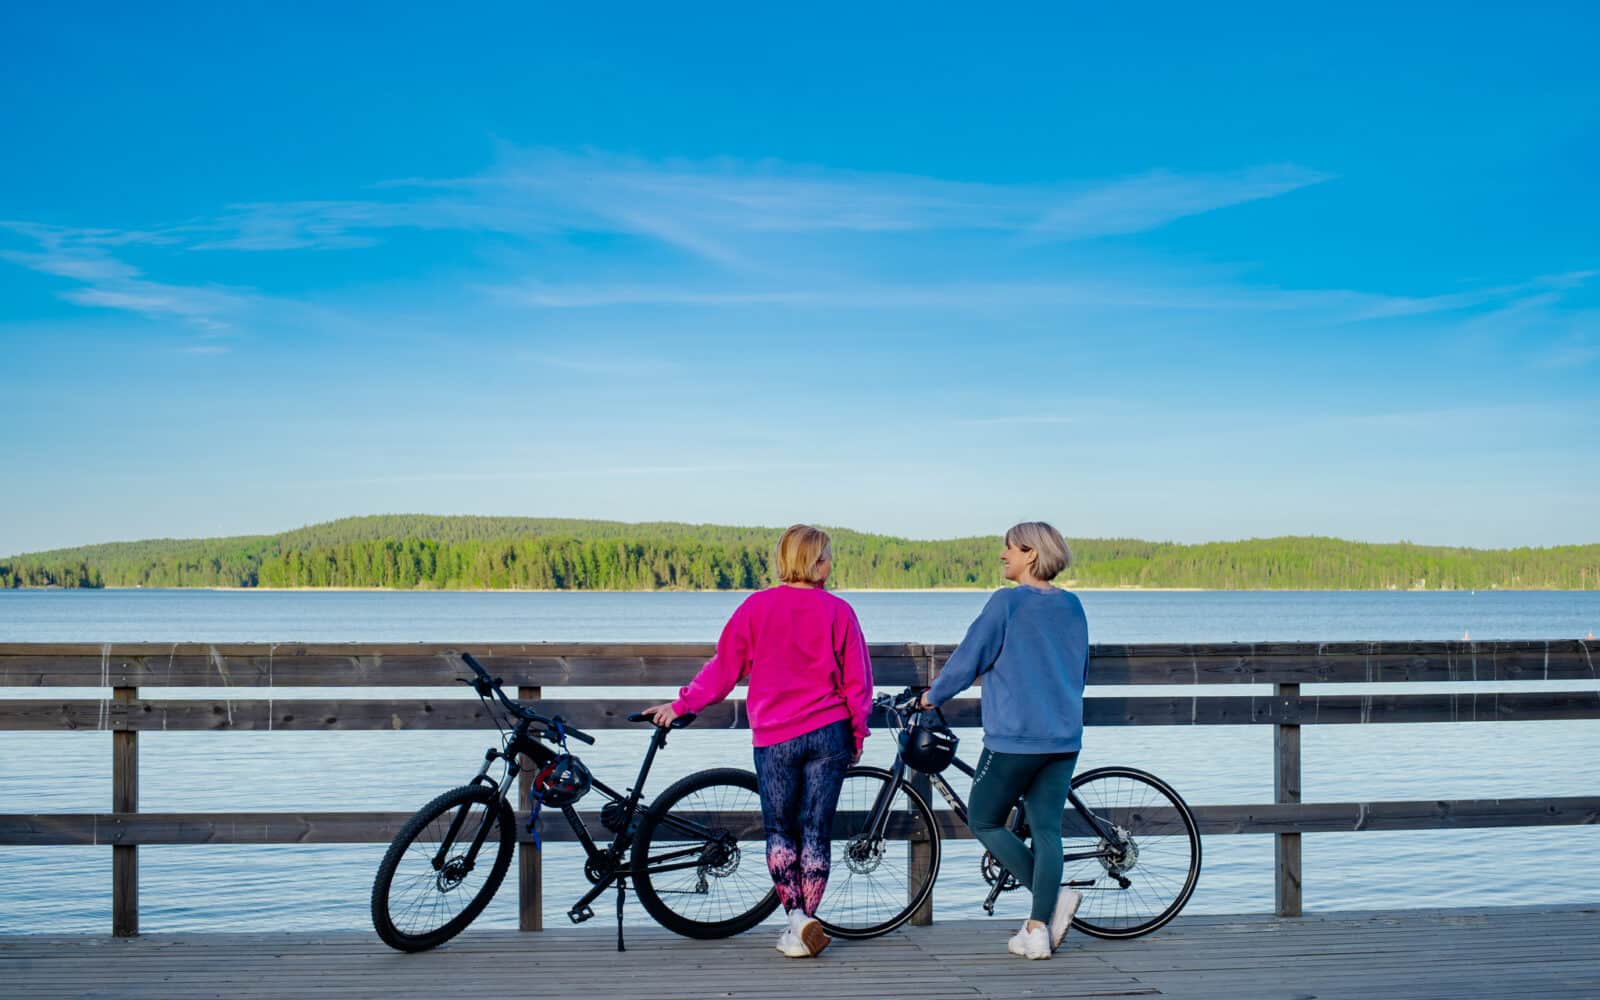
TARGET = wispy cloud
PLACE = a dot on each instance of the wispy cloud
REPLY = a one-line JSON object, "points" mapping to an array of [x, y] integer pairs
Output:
{"points": [[721, 210], [1017, 419], [1155, 199], [716, 209], [745, 218], [617, 365], [108, 282], [736, 215], [625, 471], [1129, 294], [1579, 349]]}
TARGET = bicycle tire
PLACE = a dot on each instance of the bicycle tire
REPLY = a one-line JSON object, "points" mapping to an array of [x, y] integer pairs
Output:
{"points": [[868, 879], [1165, 863], [420, 914], [720, 886]]}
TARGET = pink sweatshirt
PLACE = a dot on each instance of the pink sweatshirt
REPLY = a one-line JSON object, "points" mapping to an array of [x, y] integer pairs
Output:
{"points": [[807, 663]]}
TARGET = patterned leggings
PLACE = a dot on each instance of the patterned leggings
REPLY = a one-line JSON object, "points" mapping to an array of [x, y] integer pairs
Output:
{"points": [[799, 781]]}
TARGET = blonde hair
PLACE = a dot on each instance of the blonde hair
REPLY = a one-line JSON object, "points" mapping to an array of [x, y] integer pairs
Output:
{"points": [[1052, 554], [800, 551]]}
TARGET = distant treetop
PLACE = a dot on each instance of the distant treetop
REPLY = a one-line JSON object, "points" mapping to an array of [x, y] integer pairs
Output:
{"points": [[423, 551]]}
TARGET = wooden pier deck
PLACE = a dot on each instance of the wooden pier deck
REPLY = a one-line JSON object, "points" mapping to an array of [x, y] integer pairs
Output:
{"points": [[1457, 954]]}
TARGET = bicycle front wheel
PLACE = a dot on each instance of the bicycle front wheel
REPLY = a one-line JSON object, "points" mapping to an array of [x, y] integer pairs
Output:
{"points": [[432, 883], [1137, 878], [878, 882], [700, 860]]}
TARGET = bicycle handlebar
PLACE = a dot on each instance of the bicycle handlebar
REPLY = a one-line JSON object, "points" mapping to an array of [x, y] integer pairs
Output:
{"points": [[576, 734], [678, 723], [905, 701], [486, 685]]}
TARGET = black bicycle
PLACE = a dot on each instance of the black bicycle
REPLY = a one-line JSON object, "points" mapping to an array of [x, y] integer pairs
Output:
{"points": [[695, 857], [1130, 846]]}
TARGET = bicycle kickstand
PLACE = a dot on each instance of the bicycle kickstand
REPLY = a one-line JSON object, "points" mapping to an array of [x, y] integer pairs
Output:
{"points": [[621, 894]]}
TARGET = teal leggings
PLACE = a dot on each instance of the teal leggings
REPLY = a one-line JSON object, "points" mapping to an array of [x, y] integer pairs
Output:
{"points": [[1041, 780]]}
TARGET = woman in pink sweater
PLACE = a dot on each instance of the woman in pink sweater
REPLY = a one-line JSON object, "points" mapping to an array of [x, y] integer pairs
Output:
{"points": [[810, 693]]}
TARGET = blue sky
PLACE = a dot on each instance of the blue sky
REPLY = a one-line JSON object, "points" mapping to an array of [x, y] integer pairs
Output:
{"points": [[1192, 274]]}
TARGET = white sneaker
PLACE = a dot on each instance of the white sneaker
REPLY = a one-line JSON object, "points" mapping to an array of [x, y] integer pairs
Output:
{"points": [[1061, 920], [1030, 944], [790, 945], [809, 932]]}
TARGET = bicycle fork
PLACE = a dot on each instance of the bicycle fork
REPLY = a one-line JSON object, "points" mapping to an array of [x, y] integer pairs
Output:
{"points": [[470, 861]]}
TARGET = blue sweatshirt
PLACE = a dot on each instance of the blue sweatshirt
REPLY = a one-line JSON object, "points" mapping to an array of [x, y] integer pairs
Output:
{"points": [[1032, 646]]}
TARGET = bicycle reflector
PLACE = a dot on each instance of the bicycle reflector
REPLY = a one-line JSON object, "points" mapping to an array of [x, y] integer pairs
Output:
{"points": [[562, 782], [928, 747]]}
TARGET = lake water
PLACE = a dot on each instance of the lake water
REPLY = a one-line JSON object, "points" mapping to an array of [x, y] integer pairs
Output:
{"points": [[67, 889]]}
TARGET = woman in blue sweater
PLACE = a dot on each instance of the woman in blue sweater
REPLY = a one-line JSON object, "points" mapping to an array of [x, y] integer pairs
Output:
{"points": [[1031, 645]]}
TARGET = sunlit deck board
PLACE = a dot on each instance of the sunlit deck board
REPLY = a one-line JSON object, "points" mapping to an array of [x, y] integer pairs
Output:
{"points": [[1502, 952]]}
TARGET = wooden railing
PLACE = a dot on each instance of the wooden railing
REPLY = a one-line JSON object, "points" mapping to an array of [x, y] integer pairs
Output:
{"points": [[123, 669]]}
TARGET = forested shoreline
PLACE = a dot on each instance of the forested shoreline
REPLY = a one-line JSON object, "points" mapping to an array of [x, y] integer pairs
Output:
{"points": [[421, 552]]}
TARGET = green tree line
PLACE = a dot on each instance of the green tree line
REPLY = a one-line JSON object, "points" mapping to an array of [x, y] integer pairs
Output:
{"points": [[495, 553]]}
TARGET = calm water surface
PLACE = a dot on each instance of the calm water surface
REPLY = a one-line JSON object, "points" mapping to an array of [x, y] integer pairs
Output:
{"points": [[64, 889]]}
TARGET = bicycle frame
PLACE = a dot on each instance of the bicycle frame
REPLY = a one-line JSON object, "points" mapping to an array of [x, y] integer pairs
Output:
{"points": [[878, 817], [697, 845], [604, 864]]}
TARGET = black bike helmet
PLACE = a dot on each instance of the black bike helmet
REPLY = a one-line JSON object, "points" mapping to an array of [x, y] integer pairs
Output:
{"points": [[562, 782], [929, 746]]}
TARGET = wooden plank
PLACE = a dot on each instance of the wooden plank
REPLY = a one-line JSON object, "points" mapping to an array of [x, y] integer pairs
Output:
{"points": [[255, 712], [1551, 953], [563, 664], [1361, 663], [374, 671], [125, 799], [1344, 817], [1286, 789], [41, 829], [379, 665], [493, 648]]}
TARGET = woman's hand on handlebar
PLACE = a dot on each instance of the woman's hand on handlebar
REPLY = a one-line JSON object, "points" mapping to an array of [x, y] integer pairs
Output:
{"points": [[912, 700], [662, 715]]}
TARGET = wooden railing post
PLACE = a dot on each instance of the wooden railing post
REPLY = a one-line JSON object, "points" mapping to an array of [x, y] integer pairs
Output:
{"points": [[530, 864], [921, 849], [124, 799], [1286, 788], [921, 855]]}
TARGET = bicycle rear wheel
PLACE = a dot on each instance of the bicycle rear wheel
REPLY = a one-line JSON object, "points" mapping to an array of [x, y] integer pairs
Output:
{"points": [[700, 860], [1142, 877], [426, 891], [875, 885]]}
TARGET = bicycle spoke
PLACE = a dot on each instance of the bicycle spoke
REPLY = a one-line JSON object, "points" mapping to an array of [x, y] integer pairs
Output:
{"points": [[867, 890], [416, 905], [730, 881], [1155, 849]]}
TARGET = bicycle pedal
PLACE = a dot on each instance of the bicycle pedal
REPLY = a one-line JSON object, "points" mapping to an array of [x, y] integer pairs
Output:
{"points": [[578, 916]]}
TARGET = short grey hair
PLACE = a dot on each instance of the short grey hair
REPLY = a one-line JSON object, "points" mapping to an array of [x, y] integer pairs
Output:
{"points": [[1051, 550]]}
